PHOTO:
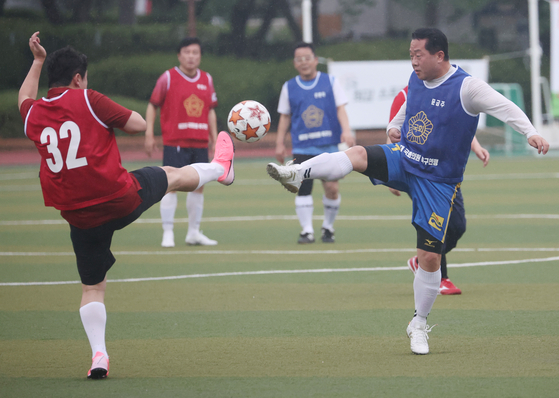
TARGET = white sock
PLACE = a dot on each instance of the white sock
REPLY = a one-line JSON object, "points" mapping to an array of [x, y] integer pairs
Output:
{"points": [[327, 166], [304, 209], [425, 289], [331, 208], [208, 172], [195, 208], [167, 209], [94, 320]]}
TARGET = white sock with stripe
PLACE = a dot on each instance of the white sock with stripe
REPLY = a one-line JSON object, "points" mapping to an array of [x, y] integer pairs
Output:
{"points": [[327, 166], [331, 208]]}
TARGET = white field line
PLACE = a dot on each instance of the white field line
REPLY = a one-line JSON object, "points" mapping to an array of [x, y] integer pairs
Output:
{"points": [[268, 181], [293, 217], [296, 271], [276, 252], [34, 175]]}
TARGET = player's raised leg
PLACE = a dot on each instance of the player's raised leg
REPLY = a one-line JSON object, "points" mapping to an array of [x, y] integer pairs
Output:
{"points": [[220, 169], [327, 167]]}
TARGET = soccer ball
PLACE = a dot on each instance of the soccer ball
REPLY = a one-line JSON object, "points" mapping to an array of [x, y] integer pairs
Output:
{"points": [[249, 121]]}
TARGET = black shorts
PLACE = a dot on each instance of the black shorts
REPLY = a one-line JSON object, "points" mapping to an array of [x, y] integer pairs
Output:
{"points": [[427, 242], [179, 157], [456, 223], [93, 246], [306, 186]]}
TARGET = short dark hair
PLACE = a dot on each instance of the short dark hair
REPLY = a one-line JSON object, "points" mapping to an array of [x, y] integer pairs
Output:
{"points": [[436, 40], [304, 45], [187, 41], [63, 64]]}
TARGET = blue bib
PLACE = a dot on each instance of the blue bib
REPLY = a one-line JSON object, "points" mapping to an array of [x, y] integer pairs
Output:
{"points": [[437, 133], [314, 115]]}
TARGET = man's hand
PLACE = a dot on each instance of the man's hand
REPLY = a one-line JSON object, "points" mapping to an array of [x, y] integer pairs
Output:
{"points": [[483, 155], [481, 152], [538, 142], [394, 135], [280, 152], [348, 138], [39, 53], [149, 144]]}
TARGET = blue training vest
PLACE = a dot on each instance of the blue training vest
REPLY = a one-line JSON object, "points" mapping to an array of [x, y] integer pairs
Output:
{"points": [[437, 133], [314, 115]]}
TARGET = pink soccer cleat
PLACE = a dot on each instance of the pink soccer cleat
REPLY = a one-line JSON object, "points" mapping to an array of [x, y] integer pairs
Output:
{"points": [[99, 366], [224, 154]]}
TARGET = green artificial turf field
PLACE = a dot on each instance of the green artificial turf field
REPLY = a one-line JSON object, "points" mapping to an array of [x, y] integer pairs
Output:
{"points": [[260, 316]]}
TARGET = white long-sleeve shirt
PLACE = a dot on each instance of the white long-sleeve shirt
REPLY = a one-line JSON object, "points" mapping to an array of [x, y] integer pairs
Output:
{"points": [[477, 96]]}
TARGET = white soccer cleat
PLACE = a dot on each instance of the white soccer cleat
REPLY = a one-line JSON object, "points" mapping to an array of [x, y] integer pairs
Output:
{"points": [[168, 239], [199, 239], [418, 338], [287, 175]]}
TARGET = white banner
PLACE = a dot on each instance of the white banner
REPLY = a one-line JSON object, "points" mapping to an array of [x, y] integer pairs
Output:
{"points": [[372, 85], [554, 27]]}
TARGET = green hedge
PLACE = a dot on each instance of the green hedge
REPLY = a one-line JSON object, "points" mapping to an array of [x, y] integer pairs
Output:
{"points": [[97, 41], [11, 125], [234, 79]]}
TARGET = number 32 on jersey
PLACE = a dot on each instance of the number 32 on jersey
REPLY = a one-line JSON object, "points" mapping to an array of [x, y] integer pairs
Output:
{"points": [[49, 137]]}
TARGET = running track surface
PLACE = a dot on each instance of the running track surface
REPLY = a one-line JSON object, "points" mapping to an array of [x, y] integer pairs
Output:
{"points": [[21, 151], [25, 153]]}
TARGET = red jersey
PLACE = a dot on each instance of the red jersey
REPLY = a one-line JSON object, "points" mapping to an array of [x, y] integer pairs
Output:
{"points": [[185, 103], [80, 162], [398, 102]]}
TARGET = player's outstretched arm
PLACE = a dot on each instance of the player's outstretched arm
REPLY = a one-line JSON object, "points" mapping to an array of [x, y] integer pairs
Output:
{"points": [[478, 97], [30, 85]]}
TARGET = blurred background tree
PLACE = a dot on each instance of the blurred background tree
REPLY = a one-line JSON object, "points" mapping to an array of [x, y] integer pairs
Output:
{"points": [[248, 44]]}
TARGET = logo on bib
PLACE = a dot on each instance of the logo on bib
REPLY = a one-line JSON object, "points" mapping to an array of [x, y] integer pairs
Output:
{"points": [[313, 117], [419, 128], [194, 106]]}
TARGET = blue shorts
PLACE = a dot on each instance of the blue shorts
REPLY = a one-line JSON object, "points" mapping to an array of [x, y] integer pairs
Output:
{"points": [[432, 201], [178, 157]]}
